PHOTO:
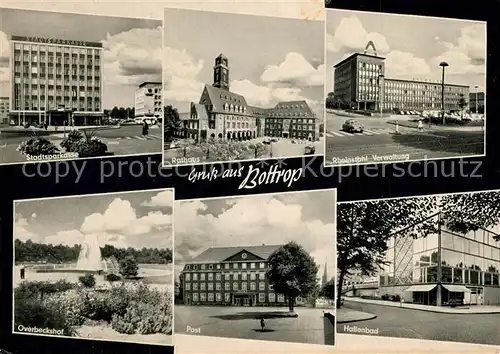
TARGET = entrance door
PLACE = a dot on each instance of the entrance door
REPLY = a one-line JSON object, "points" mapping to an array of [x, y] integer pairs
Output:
{"points": [[246, 301], [285, 135]]}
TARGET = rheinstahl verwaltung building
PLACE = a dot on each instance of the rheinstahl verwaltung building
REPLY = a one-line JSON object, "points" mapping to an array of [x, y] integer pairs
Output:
{"points": [[231, 276], [222, 114]]}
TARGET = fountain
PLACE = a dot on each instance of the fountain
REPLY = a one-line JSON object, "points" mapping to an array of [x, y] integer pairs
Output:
{"points": [[90, 258]]}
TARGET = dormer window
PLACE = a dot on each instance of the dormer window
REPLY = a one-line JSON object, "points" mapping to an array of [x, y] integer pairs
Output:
{"points": [[187, 267]]}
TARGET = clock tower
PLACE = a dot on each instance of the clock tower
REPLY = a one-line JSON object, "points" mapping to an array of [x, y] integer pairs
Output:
{"points": [[221, 72]]}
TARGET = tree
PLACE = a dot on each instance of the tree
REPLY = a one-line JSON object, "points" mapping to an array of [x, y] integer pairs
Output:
{"points": [[363, 229], [172, 122], [129, 267], [292, 272], [115, 112], [462, 103], [328, 290]]}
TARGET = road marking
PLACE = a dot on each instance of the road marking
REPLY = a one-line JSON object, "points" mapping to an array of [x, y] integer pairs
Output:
{"points": [[366, 133], [156, 136], [376, 132], [128, 137], [113, 142]]}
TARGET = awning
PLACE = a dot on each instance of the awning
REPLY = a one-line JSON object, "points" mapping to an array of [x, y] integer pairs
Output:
{"points": [[456, 288], [426, 287]]}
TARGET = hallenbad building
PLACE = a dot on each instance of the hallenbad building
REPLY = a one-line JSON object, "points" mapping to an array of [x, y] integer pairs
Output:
{"points": [[360, 83], [223, 114], [443, 268], [231, 276]]}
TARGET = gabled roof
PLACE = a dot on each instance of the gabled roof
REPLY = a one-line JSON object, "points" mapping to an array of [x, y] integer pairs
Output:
{"points": [[220, 96], [201, 111], [219, 254], [292, 109], [258, 111]]}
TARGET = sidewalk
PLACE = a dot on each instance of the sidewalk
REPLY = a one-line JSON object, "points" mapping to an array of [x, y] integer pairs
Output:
{"points": [[345, 315], [52, 129], [409, 124], [473, 309]]}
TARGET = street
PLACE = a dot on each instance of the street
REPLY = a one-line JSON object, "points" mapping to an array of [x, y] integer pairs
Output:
{"points": [[126, 140], [379, 138], [242, 322], [407, 323]]}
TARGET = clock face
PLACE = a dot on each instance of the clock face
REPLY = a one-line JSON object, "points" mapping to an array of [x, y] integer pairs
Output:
{"points": [[244, 255]]}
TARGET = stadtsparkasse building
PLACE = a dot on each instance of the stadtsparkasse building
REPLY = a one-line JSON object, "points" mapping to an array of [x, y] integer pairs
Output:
{"points": [[231, 276], [222, 114]]}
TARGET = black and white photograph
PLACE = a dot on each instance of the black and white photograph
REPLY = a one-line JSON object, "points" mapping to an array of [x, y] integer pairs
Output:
{"points": [[78, 86], [421, 267], [230, 95], [257, 267], [95, 267], [403, 88]]}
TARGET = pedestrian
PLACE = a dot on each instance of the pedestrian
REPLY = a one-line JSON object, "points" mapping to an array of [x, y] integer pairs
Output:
{"points": [[23, 272], [145, 129], [420, 125], [262, 323]]}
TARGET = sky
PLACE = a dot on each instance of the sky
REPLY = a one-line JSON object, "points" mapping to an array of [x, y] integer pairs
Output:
{"points": [[131, 47], [307, 218], [413, 46], [271, 59], [132, 219]]}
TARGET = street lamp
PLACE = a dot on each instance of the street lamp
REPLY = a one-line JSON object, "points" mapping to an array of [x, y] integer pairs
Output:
{"points": [[443, 64], [381, 92], [476, 87]]}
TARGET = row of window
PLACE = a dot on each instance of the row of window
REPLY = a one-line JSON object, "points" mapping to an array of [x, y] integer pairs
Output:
{"points": [[227, 297], [236, 265], [294, 127], [42, 71], [58, 82], [227, 286], [227, 276], [57, 49]]}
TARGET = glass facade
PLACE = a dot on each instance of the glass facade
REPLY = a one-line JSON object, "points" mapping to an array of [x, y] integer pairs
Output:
{"points": [[469, 260]]}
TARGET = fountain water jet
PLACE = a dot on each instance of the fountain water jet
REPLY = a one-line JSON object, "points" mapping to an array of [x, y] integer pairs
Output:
{"points": [[90, 257]]}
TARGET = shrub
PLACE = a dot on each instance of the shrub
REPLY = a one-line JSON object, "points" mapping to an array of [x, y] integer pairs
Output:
{"points": [[71, 140], [37, 147], [112, 277], [87, 280], [84, 144], [129, 267], [38, 289], [73, 304]]}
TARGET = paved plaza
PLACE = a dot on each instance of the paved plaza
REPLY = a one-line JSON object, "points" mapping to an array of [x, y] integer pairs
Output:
{"points": [[243, 322]]}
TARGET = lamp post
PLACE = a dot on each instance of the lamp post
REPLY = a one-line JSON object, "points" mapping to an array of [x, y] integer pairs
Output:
{"points": [[381, 91], [476, 87], [443, 64]]}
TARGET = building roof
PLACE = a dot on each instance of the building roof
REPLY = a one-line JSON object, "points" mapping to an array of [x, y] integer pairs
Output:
{"points": [[220, 96], [353, 56], [201, 111], [259, 111], [292, 109], [220, 254], [424, 82], [149, 83]]}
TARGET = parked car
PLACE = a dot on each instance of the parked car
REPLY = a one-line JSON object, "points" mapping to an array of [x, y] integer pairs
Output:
{"points": [[352, 126], [267, 142], [309, 150], [274, 140]]}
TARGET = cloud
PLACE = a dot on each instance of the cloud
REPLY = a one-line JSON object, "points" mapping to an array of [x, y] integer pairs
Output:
{"points": [[132, 57], [249, 221], [180, 71], [350, 35], [404, 64], [295, 70], [22, 230], [162, 199], [468, 54], [4, 58]]}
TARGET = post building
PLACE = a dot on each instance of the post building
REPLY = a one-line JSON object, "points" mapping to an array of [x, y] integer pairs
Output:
{"points": [[56, 81], [231, 276], [148, 100], [360, 83], [223, 114], [443, 268]]}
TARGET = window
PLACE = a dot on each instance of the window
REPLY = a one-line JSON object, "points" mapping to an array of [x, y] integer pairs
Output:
{"points": [[226, 266], [243, 276], [203, 297], [262, 265], [187, 286], [227, 286], [253, 286], [202, 276], [218, 266], [243, 265], [243, 286], [227, 276], [281, 298], [210, 296], [272, 297], [195, 286], [235, 265], [262, 286], [217, 286], [210, 286], [235, 286], [262, 297], [270, 286], [195, 267], [218, 297], [188, 277], [252, 265], [195, 296], [210, 276], [202, 267], [187, 267], [195, 276], [217, 276], [202, 286], [227, 297], [210, 266], [252, 276]]}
